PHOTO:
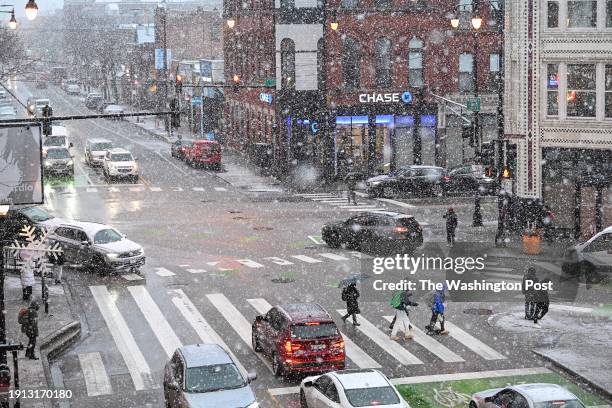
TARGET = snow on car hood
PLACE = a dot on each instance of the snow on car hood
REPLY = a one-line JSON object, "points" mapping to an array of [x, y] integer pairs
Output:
{"points": [[239, 397], [124, 245], [487, 393], [382, 177]]}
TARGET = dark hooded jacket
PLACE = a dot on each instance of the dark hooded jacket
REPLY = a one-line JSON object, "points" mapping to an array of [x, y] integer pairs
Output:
{"points": [[350, 294]]}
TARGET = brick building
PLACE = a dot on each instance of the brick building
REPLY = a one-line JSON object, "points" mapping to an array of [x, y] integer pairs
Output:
{"points": [[361, 95]]}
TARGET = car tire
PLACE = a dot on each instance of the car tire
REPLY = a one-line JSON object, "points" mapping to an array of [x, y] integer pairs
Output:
{"points": [[332, 241], [473, 404], [387, 192], [303, 403], [277, 367], [437, 191], [255, 342]]}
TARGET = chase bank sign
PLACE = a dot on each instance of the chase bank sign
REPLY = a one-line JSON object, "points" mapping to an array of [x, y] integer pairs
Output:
{"points": [[394, 97]]}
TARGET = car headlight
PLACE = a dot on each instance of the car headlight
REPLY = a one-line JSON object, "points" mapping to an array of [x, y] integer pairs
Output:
{"points": [[48, 163], [253, 404], [112, 256], [374, 183], [70, 163]]}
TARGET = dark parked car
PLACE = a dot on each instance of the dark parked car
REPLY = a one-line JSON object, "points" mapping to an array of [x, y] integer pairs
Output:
{"points": [[374, 231], [177, 149], [469, 179], [419, 180], [300, 338], [16, 219]]}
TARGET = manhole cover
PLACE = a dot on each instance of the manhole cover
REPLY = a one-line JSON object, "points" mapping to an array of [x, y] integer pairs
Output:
{"points": [[283, 280], [234, 211], [260, 228], [478, 312]]}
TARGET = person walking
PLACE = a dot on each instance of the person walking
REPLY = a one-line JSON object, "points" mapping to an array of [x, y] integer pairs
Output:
{"points": [[451, 226], [401, 321], [351, 184], [548, 219], [530, 275], [350, 294], [542, 302], [27, 279], [30, 329], [438, 306], [58, 267]]}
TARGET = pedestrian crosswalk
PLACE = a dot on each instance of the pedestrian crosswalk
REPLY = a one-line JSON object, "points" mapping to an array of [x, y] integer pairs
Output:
{"points": [[124, 188], [228, 323], [341, 202]]}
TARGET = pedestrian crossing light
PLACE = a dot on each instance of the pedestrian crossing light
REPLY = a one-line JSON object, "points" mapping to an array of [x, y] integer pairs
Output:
{"points": [[179, 84], [47, 112], [175, 118], [506, 172], [235, 82]]}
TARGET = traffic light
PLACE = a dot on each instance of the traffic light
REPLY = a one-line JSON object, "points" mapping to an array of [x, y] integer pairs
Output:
{"points": [[235, 82], [47, 113], [468, 133], [179, 84], [488, 153], [175, 118]]}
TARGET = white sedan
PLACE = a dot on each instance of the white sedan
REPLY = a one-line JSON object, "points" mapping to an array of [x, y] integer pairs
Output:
{"points": [[526, 396], [113, 109], [349, 388]]}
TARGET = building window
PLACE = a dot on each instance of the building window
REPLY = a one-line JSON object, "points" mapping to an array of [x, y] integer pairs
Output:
{"points": [[351, 57], [415, 63], [466, 72], [581, 94], [582, 13], [287, 4], [382, 4], [553, 14], [383, 62], [494, 72], [608, 91], [608, 13], [320, 67], [466, 5], [287, 64], [349, 3], [552, 90]]}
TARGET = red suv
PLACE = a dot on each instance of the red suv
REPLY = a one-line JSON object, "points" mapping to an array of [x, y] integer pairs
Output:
{"points": [[203, 153], [299, 338]]}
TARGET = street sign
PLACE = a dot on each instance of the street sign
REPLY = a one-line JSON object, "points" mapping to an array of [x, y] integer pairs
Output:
{"points": [[206, 70], [270, 83], [159, 58], [473, 104]]}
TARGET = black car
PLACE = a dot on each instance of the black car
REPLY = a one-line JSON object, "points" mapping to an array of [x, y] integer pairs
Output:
{"points": [[375, 230], [469, 179], [177, 148], [416, 180], [14, 221]]}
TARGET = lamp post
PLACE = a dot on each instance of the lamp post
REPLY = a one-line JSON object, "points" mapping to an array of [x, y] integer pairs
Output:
{"points": [[31, 10], [12, 23]]}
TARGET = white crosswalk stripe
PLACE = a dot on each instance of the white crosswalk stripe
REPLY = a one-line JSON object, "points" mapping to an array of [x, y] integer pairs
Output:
{"points": [[220, 189], [354, 352], [333, 257], [113, 190], [550, 267], [432, 345], [96, 379], [250, 263], [136, 189], [177, 189], [92, 190], [199, 323], [198, 189], [238, 322], [164, 272], [124, 340], [155, 189], [473, 343], [158, 323], [190, 270], [132, 277], [384, 342], [368, 209], [306, 258], [279, 261]]}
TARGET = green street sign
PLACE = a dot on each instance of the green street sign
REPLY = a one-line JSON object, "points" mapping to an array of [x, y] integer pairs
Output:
{"points": [[473, 104], [270, 83]]}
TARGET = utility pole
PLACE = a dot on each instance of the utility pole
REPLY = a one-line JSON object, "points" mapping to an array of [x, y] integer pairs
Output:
{"points": [[477, 216]]}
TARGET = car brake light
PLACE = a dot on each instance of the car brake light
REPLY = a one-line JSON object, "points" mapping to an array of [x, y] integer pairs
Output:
{"points": [[446, 178], [291, 347], [338, 344], [401, 229], [311, 323]]}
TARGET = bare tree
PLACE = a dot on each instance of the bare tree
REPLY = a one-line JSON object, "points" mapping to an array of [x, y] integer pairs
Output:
{"points": [[13, 59]]}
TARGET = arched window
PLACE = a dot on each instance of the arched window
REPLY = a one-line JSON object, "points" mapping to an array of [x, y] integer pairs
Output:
{"points": [[287, 64], [383, 62], [415, 62], [351, 57]]}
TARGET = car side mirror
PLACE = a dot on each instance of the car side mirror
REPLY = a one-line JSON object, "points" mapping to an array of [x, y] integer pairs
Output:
{"points": [[489, 399], [85, 243], [260, 318], [70, 145], [173, 385], [252, 376], [308, 384]]}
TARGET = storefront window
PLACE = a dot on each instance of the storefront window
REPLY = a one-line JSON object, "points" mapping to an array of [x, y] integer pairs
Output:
{"points": [[552, 90], [553, 14], [351, 143], [350, 63], [466, 72], [582, 13], [465, 5], [349, 3], [608, 91], [415, 63], [608, 13], [382, 4], [383, 62], [287, 64], [404, 140], [581, 94], [384, 127]]}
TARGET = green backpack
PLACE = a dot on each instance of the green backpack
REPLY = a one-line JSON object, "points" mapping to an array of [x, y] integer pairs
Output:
{"points": [[396, 300]]}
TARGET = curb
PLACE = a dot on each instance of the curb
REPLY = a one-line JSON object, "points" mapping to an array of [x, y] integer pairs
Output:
{"points": [[60, 339], [600, 389]]}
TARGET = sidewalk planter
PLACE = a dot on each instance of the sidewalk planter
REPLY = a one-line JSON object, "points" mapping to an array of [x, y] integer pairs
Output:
{"points": [[532, 242]]}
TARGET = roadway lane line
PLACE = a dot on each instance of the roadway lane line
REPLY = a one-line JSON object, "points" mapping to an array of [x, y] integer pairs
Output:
{"points": [[306, 258], [158, 323], [316, 239], [92, 190], [250, 263], [220, 189], [136, 189], [367, 209], [83, 172], [360, 206], [196, 270], [437, 348], [279, 261], [238, 322], [383, 341], [164, 272], [199, 324], [96, 379], [198, 188], [333, 257], [113, 190], [353, 352], [132, 277], [118, 328], [395, 202], [155, 189], [473, 343]]}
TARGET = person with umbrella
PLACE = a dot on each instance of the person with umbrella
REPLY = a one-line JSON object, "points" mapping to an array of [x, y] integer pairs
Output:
{"points": [[350, 294]]}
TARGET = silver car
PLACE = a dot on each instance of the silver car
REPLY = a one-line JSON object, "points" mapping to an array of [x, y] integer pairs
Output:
{"points": [[58, 160], [95, 150], [526, 396], [204, 376]]}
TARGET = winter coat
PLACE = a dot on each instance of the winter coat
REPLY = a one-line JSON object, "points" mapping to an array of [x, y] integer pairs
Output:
{"points": [[57, 259], [438, 306], [451, 221], [541, 296], [350, 294], [405, 302], [529, 293], [30, 328], [27, 274]]}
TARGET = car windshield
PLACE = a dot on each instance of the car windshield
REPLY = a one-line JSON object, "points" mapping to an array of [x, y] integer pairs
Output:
{"points": [[98, 147], [42, 102], [213, 378], [313, 330], [37, 214], [55, 141], [106, 236], [559, 404], [58, 154], [118, 157], [365, 397]]}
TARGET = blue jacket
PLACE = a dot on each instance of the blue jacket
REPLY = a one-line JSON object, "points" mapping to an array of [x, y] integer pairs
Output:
{"points": [[438, 306]]}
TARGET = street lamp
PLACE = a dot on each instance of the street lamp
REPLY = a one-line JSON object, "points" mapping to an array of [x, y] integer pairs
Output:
{"points": [[31, 10], [231, 22], [12, 22]]}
